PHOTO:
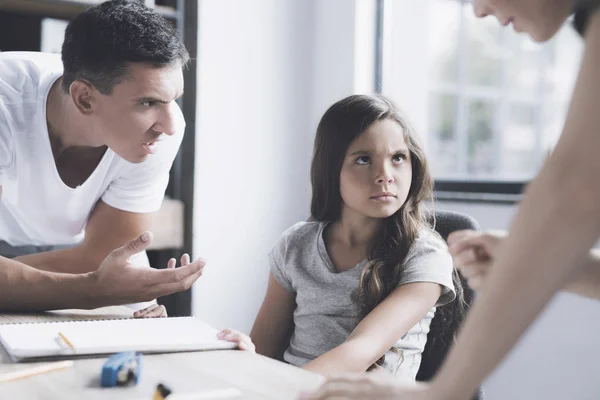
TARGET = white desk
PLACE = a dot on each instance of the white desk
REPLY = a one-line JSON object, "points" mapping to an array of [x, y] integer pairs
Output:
{"points": [[257, 377]]}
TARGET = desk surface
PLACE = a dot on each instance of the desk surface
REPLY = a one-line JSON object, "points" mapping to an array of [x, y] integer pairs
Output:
{"points": [[257, 377]]}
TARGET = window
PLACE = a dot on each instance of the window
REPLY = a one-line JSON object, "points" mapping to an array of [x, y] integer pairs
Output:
{"points": [[489, 103]]}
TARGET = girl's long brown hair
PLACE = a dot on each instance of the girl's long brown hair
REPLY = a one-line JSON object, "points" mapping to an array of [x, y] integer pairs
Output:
{"points": [[340, 125]]}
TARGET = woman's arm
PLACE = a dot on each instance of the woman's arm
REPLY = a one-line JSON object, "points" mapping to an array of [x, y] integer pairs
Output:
{"points": [[557, 223], [275, 320], [586, 280], [475, 252], [379, 330]]}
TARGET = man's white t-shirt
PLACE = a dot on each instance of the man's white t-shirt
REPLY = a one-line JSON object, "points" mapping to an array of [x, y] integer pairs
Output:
{"points": [[36, 207]]}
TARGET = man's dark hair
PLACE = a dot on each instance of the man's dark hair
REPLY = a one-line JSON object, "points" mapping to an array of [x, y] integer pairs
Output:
{"points": [[101, 42]]}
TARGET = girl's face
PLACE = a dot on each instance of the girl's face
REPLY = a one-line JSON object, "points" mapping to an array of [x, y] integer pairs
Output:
{"points": [[376, 173], [541, 19]]}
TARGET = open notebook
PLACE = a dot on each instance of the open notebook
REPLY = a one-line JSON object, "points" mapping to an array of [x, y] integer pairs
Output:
{"points": [[31, 341]]}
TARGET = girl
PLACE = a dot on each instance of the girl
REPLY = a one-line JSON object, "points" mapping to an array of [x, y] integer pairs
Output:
{"points": [[557, 223], [356, 286]]}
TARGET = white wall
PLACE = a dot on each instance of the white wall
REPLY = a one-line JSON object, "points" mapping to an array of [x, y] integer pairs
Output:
{"points": [[344, 48], [556, 359], [253, 146]]}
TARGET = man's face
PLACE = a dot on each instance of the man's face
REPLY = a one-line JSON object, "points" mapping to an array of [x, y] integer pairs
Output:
{"points": [[140, 110], [541, 19]]}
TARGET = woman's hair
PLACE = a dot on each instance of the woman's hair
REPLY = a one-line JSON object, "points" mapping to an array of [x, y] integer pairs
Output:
{"points": [[341, 124]]}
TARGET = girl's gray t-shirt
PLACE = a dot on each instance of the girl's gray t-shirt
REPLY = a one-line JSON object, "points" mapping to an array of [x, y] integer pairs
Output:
{"points": [[325, 314]]}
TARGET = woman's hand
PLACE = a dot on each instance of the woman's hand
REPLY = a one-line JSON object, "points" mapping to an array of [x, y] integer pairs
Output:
{"points": [[377, 385], [474, 252], [243, 341]]}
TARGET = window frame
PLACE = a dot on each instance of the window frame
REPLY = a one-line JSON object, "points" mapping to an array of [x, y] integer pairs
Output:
{"points": [[461, 189]]}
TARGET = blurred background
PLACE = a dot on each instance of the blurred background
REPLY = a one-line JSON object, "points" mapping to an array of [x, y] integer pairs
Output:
{"points": [[488, 104]]}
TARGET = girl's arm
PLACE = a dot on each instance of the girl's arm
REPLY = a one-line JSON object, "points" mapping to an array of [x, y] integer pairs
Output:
{"points": [[379, 330], [557, 223], [275, 320]]}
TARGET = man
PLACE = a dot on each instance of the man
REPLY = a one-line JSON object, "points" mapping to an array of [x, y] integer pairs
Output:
{"points": [[86, 146]]}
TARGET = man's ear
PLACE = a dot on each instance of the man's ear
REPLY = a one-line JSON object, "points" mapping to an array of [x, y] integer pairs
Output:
{"points": [[83, 96]]}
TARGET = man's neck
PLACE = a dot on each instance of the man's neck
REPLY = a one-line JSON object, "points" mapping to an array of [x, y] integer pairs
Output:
{"points": [[65, 126]]}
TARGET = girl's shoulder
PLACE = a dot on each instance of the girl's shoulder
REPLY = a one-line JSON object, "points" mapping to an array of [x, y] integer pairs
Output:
{"points": [[302, 229], [299, 234], [428, 241], [429, 237]]}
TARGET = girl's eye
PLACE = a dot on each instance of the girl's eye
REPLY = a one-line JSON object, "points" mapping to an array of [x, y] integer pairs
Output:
{"points": [[363, 160], [399, 158]]}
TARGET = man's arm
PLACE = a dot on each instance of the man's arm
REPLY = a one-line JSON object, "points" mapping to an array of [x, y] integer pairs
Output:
{"points": [[25, 288], [107, 229], [557, 223], [115, 282]]}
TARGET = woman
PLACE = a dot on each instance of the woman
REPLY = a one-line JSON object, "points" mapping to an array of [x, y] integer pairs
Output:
{"points": [[557, 223]]}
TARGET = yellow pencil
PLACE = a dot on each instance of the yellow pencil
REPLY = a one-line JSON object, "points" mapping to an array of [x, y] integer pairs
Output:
{"points": [[64, 338], [40, 369]]}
